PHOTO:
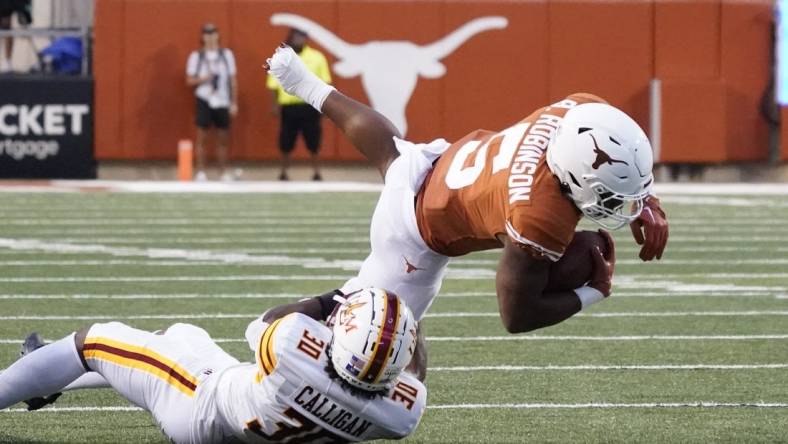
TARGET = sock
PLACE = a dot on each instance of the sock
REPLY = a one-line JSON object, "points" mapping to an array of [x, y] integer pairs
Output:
{"points": [[296, 79], [41, 373], [89, 380]]}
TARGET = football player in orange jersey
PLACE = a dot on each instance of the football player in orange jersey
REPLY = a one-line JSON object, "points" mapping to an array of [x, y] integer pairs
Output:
{"points": [[523, 189]]}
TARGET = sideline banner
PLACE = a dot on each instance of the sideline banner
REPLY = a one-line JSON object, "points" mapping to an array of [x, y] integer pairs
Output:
{"points": [[46, 127]]}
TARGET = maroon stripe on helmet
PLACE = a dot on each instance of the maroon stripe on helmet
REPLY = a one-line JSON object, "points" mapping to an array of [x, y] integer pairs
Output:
{"points": [[386, 339]]}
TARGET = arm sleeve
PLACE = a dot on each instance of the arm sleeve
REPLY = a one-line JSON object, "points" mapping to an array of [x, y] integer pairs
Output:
{"points": [[191, 64]]}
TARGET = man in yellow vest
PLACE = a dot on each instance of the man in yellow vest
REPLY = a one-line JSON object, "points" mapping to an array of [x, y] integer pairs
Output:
{"points": [[296, 115]]}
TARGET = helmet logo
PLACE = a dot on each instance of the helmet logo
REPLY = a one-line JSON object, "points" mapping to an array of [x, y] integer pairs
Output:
{"points": [[602, 157], [347, 317]]}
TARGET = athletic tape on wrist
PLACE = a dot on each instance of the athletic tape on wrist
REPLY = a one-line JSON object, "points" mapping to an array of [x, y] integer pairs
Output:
{"points": [[588, 296]]}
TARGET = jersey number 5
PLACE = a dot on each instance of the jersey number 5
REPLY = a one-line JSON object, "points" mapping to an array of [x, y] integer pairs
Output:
{"points": [[460, 176]]}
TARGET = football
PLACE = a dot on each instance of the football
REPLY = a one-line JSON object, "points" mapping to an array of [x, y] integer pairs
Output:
{"points": [[574, 268]]}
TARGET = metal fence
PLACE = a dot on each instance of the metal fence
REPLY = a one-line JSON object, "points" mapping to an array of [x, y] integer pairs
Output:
{"points": [[85, 34]]}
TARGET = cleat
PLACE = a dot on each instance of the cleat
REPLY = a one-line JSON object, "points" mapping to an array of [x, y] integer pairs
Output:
{"points": [[32, 343], [37, 403]]}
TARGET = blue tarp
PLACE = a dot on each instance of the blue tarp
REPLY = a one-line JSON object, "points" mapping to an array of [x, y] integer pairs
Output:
{"points": [[66, 55]]}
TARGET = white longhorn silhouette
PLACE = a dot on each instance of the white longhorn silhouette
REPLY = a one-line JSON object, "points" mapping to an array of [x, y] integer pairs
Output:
{"points": [[389, 70]]}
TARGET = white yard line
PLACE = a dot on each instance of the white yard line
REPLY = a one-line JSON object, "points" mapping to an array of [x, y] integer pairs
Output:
{"points": [[245, 278], [175, 296], [318, 262], [667, 189], [113, 408], [300, 240], [46, 220], [606, 338], [519, 368], [226, 221], [206, 223], [516, 338], [204, 231], [724, 201], [606, 405], [667, 314], [171, 253], [457, 274], [143, 186], [154, 296], [676, 229], [510, 406], [735, 189]]}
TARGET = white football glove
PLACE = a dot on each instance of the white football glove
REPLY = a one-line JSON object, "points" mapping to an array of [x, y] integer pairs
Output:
{"points": [[295, 77]]}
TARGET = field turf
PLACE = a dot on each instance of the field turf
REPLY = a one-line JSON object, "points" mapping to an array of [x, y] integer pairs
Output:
{"points": [[690, 349]]}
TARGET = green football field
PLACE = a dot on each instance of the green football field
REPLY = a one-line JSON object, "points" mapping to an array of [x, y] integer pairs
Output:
{"points": [[690, 349]]}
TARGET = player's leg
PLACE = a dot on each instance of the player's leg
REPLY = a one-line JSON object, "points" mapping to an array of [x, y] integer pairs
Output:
{"points": [[221, 119], [222, 138], [199, 147], [369, 131], [288, 131], [312, 131], [42, 372], [203, 122], [153, 371]]}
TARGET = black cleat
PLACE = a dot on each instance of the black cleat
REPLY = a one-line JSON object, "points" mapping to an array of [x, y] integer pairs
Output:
{"points": [[32, 343], [37, 403]]}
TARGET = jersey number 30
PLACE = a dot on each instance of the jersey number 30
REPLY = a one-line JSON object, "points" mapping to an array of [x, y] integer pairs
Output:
{"points": [[460, 176]]}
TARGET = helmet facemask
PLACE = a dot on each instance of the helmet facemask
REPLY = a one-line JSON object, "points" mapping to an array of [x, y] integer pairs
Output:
{"points": [[608, 208]]}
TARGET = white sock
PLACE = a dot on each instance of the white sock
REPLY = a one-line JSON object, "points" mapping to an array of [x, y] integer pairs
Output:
{"points": [[41, 373], [296, 79], [89, 380]]}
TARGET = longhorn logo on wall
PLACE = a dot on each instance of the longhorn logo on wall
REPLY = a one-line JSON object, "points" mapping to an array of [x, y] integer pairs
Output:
{"points": [[389, 70]]}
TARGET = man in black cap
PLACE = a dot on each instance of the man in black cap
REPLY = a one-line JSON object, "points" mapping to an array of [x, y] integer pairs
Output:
{"points": [[298, 116], [211, 71]]}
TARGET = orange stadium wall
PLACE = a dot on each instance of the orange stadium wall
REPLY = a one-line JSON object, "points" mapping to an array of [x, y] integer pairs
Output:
{"points": [[712, 57]]}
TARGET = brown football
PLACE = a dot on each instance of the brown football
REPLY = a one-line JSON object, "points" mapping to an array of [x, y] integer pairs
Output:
{"points": [[574, 268]]}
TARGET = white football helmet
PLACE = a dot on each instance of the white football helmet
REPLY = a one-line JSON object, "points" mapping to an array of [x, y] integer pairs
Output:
{"points": [[604, 160], [374, 339]]}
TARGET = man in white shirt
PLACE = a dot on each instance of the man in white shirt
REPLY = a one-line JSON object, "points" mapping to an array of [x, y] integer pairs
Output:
{"points": [[211, 71], [340, 382]]}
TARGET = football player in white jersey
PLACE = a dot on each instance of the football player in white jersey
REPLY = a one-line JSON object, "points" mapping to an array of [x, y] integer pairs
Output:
{"points": [[340, 382]]}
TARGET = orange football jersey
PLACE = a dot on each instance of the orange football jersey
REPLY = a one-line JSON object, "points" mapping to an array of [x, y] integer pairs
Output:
{"points": [[490, 183]]}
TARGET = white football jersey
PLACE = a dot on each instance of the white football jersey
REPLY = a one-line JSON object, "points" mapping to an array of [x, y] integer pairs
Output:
{"points": [[287, 396]]}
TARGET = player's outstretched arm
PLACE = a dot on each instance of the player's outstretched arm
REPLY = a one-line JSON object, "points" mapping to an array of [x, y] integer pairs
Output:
{"points": [[520, 284], [318, 307], [368, 130]]}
